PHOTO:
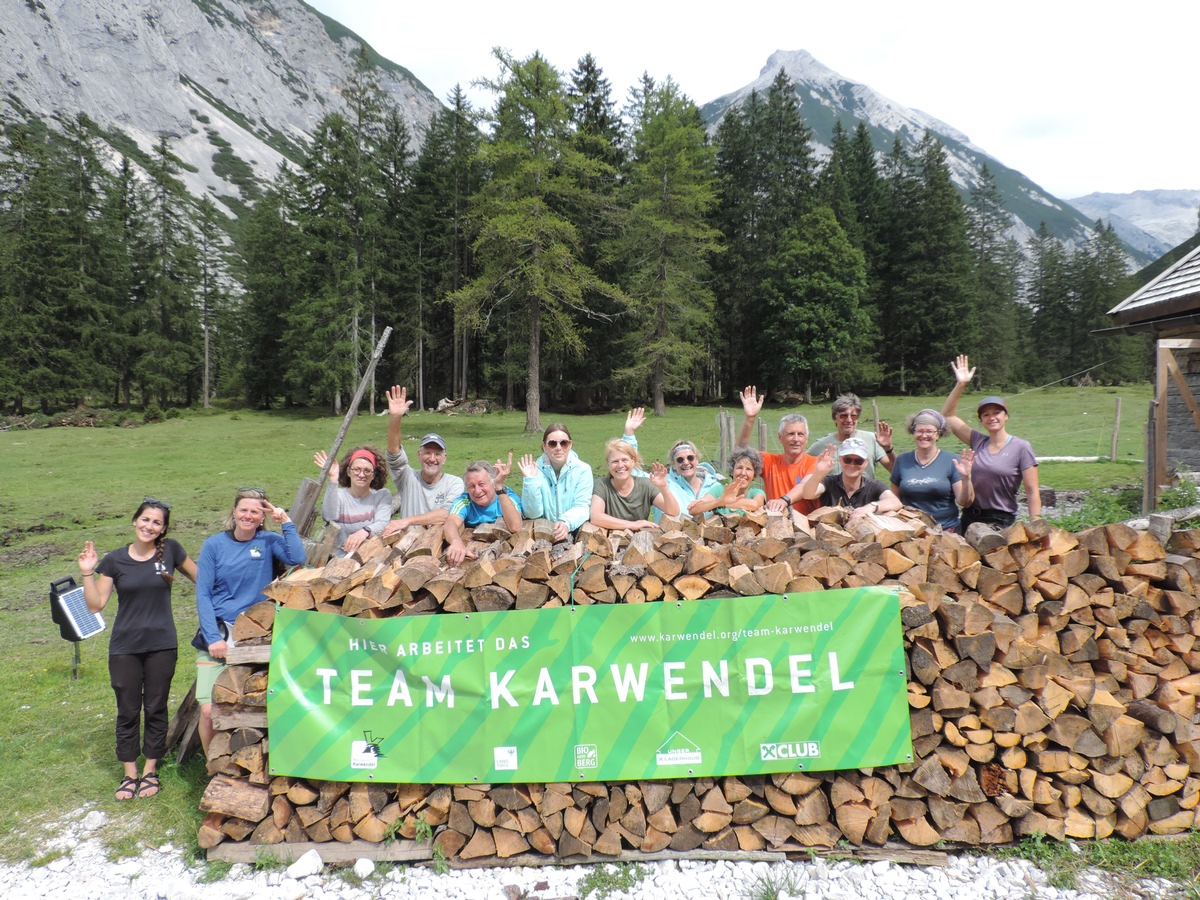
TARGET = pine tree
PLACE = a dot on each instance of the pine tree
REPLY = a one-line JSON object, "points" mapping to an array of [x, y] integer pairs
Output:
{"points": [[528, 252], [669, 190], [819, 333], [447, 172], [997, 261], [930, 300]]}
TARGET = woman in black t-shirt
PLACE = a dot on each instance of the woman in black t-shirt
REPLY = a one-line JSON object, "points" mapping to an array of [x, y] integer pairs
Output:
{"points": [[143, 647]]}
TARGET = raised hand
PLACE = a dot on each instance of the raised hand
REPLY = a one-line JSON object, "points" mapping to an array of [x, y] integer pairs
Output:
{"points": [[964, 465], [503, 470], [658, 476], [635, 418], [88, 559], [752, 404], [961, 367], [319, 459], [278, 513], [826, 461], [398, 402], [883, 436], [528, 465]]}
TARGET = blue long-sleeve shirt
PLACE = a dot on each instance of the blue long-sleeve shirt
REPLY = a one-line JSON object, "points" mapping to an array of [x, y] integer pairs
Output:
{"points": [[565, 496], [231, 574]]}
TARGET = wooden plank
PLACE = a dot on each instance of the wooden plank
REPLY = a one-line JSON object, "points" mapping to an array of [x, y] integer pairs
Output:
{"points": [[331, 851], [1185, 392], [225, 719], [536, 859], [1159, 470], [241, 655]]}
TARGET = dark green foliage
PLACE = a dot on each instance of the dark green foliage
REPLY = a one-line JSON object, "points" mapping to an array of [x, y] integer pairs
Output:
{"points": [[664, 244], [532, 278]]}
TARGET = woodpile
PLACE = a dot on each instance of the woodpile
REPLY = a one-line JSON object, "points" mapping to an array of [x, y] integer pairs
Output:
{"points": [[1053, 680]]}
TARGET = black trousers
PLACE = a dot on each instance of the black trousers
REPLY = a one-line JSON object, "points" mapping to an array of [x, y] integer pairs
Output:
{"points": [[142, 683]]}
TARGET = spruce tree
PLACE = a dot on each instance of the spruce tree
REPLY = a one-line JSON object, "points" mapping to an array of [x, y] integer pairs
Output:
{"points": [[532, 275], [668, 192]]}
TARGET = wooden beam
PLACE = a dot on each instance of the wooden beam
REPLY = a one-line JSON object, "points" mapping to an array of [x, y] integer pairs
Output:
{"points": [[331, 851], [1159, 467], [1180, 343], [1185, 390]]}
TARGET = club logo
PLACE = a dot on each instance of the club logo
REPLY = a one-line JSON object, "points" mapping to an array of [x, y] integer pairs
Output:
{"points": [[678, 751], [789, 750], [365, 754], [505, 758]]}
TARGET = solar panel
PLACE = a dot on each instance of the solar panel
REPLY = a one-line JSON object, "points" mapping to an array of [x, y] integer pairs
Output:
{"points": [[70, 611]]}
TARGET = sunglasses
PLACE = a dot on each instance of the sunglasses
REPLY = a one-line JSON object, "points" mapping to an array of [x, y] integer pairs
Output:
{"points": [[853, 461], [154, 502], [847, 415], [554, 445], [680, 460]]}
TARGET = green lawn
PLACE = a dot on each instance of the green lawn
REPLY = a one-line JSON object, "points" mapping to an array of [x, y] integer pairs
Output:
{"points": [[63, 486]]}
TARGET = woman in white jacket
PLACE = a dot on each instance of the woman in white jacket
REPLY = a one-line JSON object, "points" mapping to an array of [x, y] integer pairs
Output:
{"points": [[558, 484]]}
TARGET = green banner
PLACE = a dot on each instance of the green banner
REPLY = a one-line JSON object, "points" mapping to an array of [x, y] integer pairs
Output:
{"points": [[802, 682]]}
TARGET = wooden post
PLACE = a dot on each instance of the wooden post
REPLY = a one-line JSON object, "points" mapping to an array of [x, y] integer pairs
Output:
{"points": [[1149, 492], [1159, 460], [1112, 453], [874, 415], [306, 495], [725, 439]]}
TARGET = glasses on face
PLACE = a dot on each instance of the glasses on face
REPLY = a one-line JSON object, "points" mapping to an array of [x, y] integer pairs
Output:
{"points": [[153, 502], [925, 432], [362, 472], [554, 445], [680, 460], [853, 461], [852, 416]]}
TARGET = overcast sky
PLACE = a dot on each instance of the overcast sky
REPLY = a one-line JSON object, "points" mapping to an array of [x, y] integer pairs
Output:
{"points": [[1080, 97]]}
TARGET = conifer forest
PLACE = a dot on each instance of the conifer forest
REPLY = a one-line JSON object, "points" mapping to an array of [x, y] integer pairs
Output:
{"points": [[562, 249]]}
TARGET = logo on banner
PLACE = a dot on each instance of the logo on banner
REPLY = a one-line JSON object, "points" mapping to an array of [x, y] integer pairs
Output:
{"points": [[587, 756], [365, 754], [504, 758], [790, 750], [678, 751]]}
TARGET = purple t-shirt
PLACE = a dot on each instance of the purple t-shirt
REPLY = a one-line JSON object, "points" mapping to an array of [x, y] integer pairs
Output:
{"points": [[996, 476]]}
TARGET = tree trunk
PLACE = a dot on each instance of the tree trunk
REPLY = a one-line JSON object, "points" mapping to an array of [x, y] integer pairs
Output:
{"points": [[533, 392]]}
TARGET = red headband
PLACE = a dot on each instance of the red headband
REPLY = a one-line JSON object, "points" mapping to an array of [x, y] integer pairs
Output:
{"points": [[362, 454]]}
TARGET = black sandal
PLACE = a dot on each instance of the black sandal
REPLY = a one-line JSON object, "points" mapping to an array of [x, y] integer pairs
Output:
{"points": [[127, 787], [148, 782]]}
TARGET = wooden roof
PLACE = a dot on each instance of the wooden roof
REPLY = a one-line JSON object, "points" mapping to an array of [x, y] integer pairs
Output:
{"points": [[1174, 293]]}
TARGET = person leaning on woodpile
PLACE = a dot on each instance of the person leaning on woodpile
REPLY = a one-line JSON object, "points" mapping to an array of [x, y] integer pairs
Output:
{"points": [[781, 472], [737, 497], [850, 488], [424, 497], [688, 476], [485, 499], [934, 481], [356, 499], [1003, 462], [622, 499], [558, 484], [846, 411]]}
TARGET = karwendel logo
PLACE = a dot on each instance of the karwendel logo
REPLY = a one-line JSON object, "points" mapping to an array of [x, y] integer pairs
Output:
{"points": [[678, 751]]}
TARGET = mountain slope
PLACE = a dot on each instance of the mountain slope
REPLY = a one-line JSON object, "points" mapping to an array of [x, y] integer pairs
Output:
{"points": [[1153, 220], [238, 85], [827, 97]]}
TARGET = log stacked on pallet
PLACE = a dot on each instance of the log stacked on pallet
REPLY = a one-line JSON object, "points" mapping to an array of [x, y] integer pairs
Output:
{"points": [[1053, 680]]}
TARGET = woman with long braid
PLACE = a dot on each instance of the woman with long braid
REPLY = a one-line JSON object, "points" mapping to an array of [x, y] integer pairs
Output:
{"points": [[143, 648]]}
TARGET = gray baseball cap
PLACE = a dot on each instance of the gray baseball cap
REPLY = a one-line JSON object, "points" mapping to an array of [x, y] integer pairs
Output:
{"points": [[433, 438], [853, 447]]}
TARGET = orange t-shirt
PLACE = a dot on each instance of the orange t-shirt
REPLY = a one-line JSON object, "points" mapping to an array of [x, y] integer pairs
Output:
{"points": [[779, 478]]}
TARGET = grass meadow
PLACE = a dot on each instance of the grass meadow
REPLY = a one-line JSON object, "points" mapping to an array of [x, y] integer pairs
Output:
{"points": [[62, 486]]}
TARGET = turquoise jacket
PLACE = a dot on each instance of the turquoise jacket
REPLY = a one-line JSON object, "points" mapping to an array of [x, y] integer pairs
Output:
{"points": [[679, 487], [565, 496]]}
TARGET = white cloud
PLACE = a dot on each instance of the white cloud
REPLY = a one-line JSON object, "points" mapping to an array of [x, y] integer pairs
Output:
{"points": [[1077, 99]]}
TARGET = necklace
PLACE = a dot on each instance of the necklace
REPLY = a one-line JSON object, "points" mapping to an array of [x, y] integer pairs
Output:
{"points": [[917, 457]]}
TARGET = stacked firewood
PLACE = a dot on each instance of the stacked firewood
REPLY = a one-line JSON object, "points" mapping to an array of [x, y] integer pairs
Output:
{"points": [[1052, 683]]}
